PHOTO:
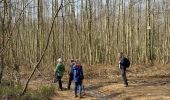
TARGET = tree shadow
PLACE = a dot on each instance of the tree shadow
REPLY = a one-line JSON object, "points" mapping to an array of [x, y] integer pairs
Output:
{"points": [[100, 84], [94, 87], [159, 76], [92, 90], [113, 95], [152, 80]]}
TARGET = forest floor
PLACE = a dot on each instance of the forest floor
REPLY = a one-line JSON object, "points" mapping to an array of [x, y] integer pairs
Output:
{"points": [[138, 89], [146, 84]]}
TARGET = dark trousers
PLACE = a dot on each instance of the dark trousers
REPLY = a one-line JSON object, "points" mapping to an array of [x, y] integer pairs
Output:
{"points": [[78, 86], [58, 79], [123, 74], [69, 81]]}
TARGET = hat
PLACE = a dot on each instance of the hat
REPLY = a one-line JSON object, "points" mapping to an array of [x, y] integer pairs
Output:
{"points": [[59, 60]]}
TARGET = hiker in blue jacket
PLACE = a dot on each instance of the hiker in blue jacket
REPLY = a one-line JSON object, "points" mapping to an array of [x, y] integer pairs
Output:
{"points": [[78, 78], [122, 67], [71, 73]]}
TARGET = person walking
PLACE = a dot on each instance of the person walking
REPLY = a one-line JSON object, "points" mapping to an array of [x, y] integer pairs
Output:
{"points": [[123, 64], [59, 71], [78, 78]]}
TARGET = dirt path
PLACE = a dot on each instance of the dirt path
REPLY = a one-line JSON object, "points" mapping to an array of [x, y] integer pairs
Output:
{"points": [[143, 85], [150, 88]]}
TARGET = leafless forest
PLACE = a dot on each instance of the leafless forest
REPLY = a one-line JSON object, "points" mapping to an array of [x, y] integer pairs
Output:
{"points": [[37, 32]]}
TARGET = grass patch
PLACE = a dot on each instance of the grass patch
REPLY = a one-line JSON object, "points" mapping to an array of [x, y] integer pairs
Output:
{"points": [[43, 93], [8, 92]]}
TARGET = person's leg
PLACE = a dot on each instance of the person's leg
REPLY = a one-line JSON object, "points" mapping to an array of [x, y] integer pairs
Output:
{"points": [[69, 82], [75, 88], [123, 73], [60, 83], [83, 89], [80, 89], [55, 78]]}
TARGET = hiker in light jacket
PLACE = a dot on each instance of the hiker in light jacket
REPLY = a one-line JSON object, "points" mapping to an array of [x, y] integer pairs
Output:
{"points": [[59, 71], [122, 68], [78, 78]]}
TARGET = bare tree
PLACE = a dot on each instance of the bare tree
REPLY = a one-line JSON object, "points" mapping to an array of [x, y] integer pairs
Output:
{"points": [[48, 38]]}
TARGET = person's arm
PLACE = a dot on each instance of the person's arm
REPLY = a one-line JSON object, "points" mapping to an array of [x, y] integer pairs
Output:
{"points": [[56, 68], [82, 73], [70, 71], [119, 64], [63, 68]]}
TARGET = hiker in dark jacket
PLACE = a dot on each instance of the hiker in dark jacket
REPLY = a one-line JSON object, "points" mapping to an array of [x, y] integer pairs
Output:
{"points": [[59, 71], [122, 68], [71, 73], [78, 78]]}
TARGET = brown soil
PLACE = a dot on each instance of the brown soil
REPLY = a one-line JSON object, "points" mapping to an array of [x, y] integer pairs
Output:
{"points": [[144, 84]]}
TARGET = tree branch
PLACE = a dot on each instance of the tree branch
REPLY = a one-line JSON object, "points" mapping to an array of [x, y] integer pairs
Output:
{"points": [[3, 49], [35, 67], [32, 64]]}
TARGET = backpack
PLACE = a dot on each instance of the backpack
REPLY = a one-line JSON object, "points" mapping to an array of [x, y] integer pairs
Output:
{"points": [[127, 62], [78, 73]]}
